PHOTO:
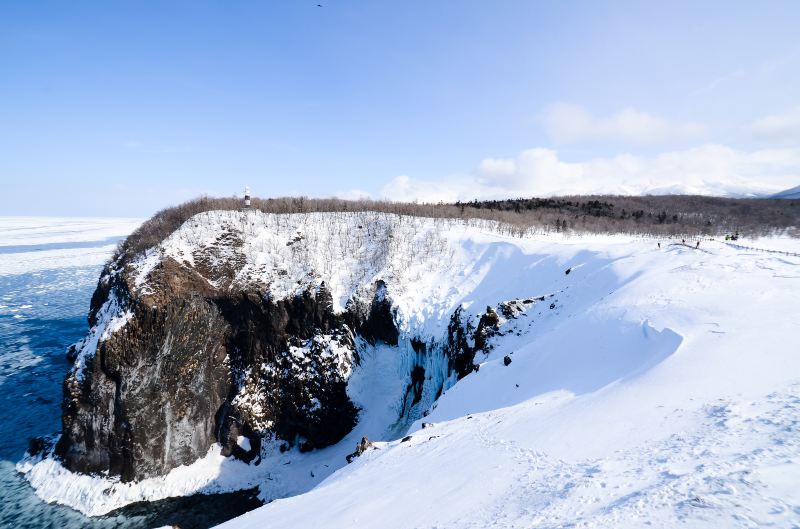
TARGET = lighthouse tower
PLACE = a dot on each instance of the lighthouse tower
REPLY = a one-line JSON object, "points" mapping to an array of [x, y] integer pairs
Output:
{"points": [[246, 197]]}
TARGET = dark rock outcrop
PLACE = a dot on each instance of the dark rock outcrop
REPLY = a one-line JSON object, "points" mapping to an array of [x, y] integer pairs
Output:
{"points": [[374, 321], [135, 412], [362, 446], [183, 371], [460, 345], [464, 340], [181, 356]]}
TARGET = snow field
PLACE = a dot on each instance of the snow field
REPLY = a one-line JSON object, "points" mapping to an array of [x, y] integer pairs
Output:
{"points": [[661, 390]]}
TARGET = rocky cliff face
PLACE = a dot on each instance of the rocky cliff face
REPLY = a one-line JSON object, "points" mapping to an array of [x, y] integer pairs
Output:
{"points": [[241, 328]]}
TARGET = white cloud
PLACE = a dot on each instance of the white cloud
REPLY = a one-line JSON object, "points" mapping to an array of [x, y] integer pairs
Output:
{"points": [[784, 126], [406, 189], [567, 123], [353, 194], [708, 170]]}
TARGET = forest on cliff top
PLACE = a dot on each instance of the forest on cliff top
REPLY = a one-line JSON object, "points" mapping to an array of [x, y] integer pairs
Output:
{"points": [[667, 215]]}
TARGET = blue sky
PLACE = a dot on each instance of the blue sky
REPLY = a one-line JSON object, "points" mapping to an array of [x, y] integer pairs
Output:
{"points": [[121, 108]]}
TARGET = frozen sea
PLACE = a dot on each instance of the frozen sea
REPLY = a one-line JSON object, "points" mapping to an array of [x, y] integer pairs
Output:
{"points": [[48, 271]]}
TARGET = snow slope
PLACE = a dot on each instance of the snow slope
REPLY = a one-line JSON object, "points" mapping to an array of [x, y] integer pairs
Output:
{"points": [[663, 389]]}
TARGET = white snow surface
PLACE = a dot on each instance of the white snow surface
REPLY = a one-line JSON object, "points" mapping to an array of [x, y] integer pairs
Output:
{"points": [[429, 265], [662, 390], [651, 387]]}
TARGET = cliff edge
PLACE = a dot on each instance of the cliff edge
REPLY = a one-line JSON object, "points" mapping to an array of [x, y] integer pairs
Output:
{"points": [[243, 327]]}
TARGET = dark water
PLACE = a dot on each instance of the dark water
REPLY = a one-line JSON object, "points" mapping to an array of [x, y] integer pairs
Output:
{"points": [[40, 315]]}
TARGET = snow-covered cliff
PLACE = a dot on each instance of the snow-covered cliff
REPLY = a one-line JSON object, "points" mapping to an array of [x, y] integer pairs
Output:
{"points": [[244, 335], [257, 350]]}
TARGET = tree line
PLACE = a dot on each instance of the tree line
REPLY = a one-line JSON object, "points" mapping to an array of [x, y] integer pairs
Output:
{"points": [[667, 215]]}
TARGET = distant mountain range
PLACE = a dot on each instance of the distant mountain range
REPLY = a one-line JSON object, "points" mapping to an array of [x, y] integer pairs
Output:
{"points": [[789, 193]]}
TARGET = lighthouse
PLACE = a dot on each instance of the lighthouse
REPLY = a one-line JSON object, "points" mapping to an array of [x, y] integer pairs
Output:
{"points": [[246, 197]]}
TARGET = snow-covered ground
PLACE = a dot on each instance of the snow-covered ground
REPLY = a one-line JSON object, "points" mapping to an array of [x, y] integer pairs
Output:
{"points": [[651, 387], [768, 244], [663, 389]]}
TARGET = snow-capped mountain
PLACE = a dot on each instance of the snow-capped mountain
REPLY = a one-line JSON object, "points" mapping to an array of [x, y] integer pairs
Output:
{"points": [[543, 381]]}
